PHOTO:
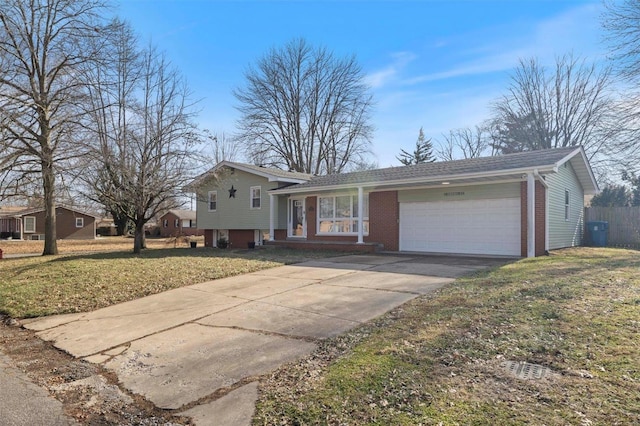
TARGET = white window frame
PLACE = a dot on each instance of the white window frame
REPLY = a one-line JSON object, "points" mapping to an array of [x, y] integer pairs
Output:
{"points": [[26, 229], [351, 219], [165, 223], [209, 201], [176, 223], [252, 197], [567, 202], [79, 222]]}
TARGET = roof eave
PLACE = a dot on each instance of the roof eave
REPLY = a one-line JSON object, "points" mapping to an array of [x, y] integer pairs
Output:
{"points": [[422, 180]]}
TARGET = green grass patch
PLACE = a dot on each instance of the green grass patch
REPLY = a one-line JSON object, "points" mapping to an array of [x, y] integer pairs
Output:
{"points": [[38, 286], [439, 358]]}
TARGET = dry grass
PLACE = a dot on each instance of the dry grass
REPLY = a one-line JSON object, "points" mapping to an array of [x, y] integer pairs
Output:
{"points": [[439, 359], [36, 286], [102, 244]]}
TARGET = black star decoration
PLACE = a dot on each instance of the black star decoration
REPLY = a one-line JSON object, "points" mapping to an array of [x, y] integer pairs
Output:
{"points": [[232, 192]]}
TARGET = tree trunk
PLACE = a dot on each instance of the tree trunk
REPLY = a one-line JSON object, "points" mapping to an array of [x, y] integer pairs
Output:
{"points": [[138, 238], [121, 222], [48, 186]]}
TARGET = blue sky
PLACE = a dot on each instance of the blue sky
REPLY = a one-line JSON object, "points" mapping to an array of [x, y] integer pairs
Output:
{"points": [[434, 64]]}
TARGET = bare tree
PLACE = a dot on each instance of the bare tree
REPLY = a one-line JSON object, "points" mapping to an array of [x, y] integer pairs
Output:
{"points": [[42, 43], [622, 25], [568, 106], [466, 143], [303, 109], [222, 147], [146, 140]]}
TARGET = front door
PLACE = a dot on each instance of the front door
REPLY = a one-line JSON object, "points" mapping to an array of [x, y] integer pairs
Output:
{"points": [[297, 220]]}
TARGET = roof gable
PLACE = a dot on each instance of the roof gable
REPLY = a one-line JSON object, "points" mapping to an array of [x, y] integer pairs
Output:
{"points": [[271, 174]]}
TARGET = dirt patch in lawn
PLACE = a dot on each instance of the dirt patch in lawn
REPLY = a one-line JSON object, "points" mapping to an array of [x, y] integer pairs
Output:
{"points": [[89, 394]]}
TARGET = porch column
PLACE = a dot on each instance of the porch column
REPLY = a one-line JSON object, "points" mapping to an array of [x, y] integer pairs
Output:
{"points": [[531, 215], [360, 211], [272, 216]]}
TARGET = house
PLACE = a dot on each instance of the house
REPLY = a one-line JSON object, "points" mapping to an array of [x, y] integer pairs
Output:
{"points": [[521, 205], [179, 223], [233, 202], [28, 224]]}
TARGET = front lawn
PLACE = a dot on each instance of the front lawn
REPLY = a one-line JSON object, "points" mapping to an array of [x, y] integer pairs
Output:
{"points": [[441, 359], [37, 286]]}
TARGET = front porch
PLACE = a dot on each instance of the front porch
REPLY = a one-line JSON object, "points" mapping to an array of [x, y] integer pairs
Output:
{"points": [[342, 246]]}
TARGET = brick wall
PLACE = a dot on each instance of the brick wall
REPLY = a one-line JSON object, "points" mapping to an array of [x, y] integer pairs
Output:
{"points": [[539, 216], [208, 238], [384, 216], [238, 238]]}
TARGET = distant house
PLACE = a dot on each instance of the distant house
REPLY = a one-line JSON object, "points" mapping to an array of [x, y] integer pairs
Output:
{"points": [[519, 205], [234, 204], [28, 224], [175, 223]]}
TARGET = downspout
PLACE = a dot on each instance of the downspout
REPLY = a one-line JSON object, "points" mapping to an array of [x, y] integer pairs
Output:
{"points": [[531, 215], [360, 212], [272, 210], [546, 209]]}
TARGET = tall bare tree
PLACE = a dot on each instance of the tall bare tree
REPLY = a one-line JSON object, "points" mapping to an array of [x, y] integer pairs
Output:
{"points": [[112, 85], [622, 25], [569, 105], [222, 147], [146, 138], [466, 143], [42, 44], [306, 110]]}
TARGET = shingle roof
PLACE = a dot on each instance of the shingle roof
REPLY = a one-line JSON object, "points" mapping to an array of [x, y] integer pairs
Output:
{"points": [[276, 174], [502, 163], [184, 214]]}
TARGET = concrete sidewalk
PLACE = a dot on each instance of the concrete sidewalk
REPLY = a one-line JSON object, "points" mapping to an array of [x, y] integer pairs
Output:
{"points": [[23, 403], [201, 350]]}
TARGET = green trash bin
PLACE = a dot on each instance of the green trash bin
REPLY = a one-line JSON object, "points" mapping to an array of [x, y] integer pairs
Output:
{"points": [[597, 233]]}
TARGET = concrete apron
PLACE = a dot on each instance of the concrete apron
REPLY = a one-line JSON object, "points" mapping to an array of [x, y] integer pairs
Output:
{"points": [[201, 349]]}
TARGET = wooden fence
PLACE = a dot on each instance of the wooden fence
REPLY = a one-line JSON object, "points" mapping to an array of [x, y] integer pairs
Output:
{"points": [[624, 224]]}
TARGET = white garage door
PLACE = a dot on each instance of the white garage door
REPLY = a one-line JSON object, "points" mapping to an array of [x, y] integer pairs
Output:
{"points": [[469, 227]]}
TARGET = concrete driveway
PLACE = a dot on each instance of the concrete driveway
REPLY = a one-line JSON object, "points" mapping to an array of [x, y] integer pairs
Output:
{"points": [[201, 349]]}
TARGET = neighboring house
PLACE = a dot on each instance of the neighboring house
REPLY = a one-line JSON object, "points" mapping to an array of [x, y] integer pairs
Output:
{"points": [[105, 227], [234, 203], [28, 224], [521, 204], [176, 223]]}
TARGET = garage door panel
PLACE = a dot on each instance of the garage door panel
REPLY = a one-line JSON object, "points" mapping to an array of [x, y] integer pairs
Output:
{"points": [[468, 226]]}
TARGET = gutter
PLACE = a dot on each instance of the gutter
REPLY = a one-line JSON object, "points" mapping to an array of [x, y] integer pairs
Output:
{"points": [[293, 190]]}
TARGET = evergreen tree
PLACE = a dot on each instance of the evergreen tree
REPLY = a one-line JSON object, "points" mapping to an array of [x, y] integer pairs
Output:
{"points": [[611, 196], [423, 152]]}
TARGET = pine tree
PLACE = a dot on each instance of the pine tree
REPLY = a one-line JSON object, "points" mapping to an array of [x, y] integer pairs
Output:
{"points": [[423, 152]]}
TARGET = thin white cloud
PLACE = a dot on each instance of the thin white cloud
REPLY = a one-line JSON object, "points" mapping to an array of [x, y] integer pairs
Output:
{"points": [[382, 77], [555, 36]]}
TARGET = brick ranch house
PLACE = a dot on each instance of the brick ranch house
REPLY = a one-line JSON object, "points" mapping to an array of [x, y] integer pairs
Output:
{"points": [[28, 224], [519, 205], [176, 223]]}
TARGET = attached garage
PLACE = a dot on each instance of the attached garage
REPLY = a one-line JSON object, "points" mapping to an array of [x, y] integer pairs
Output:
{"points": [[485, 226]]}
